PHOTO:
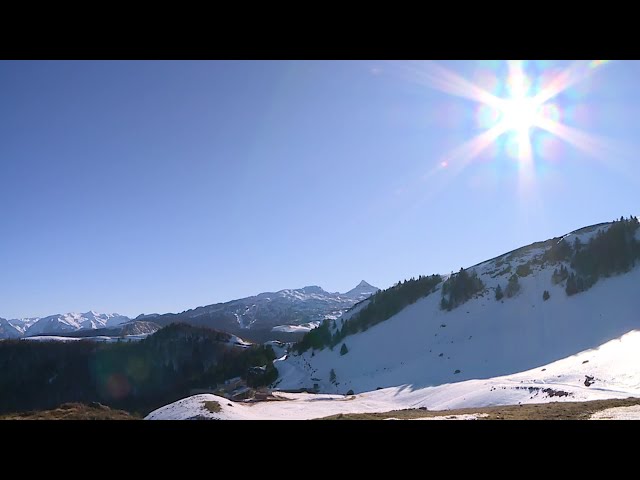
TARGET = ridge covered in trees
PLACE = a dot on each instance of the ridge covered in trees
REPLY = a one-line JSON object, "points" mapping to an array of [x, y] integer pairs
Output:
{"points": [[135, 376], [612, 251]]}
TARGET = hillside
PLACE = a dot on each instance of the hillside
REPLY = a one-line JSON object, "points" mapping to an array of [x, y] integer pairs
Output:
{"points": [[554, 321], [136, 376], [428, 343], [608, 372]]}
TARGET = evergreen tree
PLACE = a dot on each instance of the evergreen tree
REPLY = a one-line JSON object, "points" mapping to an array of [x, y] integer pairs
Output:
{"points": [[513, 286], [344, 350], [332, 376], [577, 244], [444, 303], [546, 295], [571, 287], [499, 293]]}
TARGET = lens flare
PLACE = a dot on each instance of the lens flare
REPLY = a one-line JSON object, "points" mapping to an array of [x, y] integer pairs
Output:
{"points": [[523, 108]]}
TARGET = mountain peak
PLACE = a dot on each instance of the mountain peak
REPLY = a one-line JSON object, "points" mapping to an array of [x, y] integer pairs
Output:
{"points": [[363, 289]]}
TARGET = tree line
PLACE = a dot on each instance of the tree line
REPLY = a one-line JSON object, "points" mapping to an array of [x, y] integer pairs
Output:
{"points": [[459, 288], [609, 252]]}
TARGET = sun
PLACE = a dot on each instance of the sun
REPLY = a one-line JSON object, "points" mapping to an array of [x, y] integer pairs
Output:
{"points": [[516, 112], [519, 111], [519, 115]]}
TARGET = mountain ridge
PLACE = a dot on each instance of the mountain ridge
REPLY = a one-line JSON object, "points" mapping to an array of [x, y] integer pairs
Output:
{"points": [[62, 323], [434, 341], [282, 315]]}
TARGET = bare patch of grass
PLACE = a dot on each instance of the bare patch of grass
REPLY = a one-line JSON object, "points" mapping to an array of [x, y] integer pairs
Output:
{"points": [[73, 411], [212, 406]]}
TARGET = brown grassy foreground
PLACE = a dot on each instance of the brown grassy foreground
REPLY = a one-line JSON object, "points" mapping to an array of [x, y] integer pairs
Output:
{"points": [[73, 411], [538, 411]]}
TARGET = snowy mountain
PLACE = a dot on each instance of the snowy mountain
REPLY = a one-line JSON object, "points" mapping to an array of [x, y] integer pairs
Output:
{"points": [[7, 330], [565, 328], [22, 324], [426, 345], [68, 322], [129, 328], [270, 315]]}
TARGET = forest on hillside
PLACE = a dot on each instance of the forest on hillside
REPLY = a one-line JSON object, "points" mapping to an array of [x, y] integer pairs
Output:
{"points": [[135, 376]]}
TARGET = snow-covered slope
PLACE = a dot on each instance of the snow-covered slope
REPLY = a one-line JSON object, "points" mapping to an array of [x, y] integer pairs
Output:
{"points": [[273, 312], [610, 371], [70, 322], [482, 338]]}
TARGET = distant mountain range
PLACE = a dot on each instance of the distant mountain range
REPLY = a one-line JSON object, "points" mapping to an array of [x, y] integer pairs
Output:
{"points": [[59, 324], [282, 315]]}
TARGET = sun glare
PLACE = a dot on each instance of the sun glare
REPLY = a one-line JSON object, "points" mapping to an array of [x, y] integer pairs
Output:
{"points": [[519, 115], [512, 109]]}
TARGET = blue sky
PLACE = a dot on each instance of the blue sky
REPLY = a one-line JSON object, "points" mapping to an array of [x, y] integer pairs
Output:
{"points": [[146, 186]]}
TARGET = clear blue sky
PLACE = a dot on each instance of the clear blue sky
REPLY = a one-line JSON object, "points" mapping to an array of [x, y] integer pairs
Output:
{"points": [[138, 187]]}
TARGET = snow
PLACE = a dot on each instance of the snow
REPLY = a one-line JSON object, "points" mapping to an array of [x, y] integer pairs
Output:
{"points": [[100, 338], [234, 340], [618, 413], [614, 366], [52, 338], [302, 328], [70, 322]]}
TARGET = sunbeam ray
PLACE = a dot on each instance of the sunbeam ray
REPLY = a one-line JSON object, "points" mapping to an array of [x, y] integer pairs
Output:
{"points": [[440, 78], [588, 143], [575, 73]]}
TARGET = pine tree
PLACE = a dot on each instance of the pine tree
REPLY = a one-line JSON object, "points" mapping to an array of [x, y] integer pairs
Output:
{"points": [[444, 304], [499, 293], [577, 244], [344, 350], [546, 295], [513, 286], [332, 376], [571, 288]]}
